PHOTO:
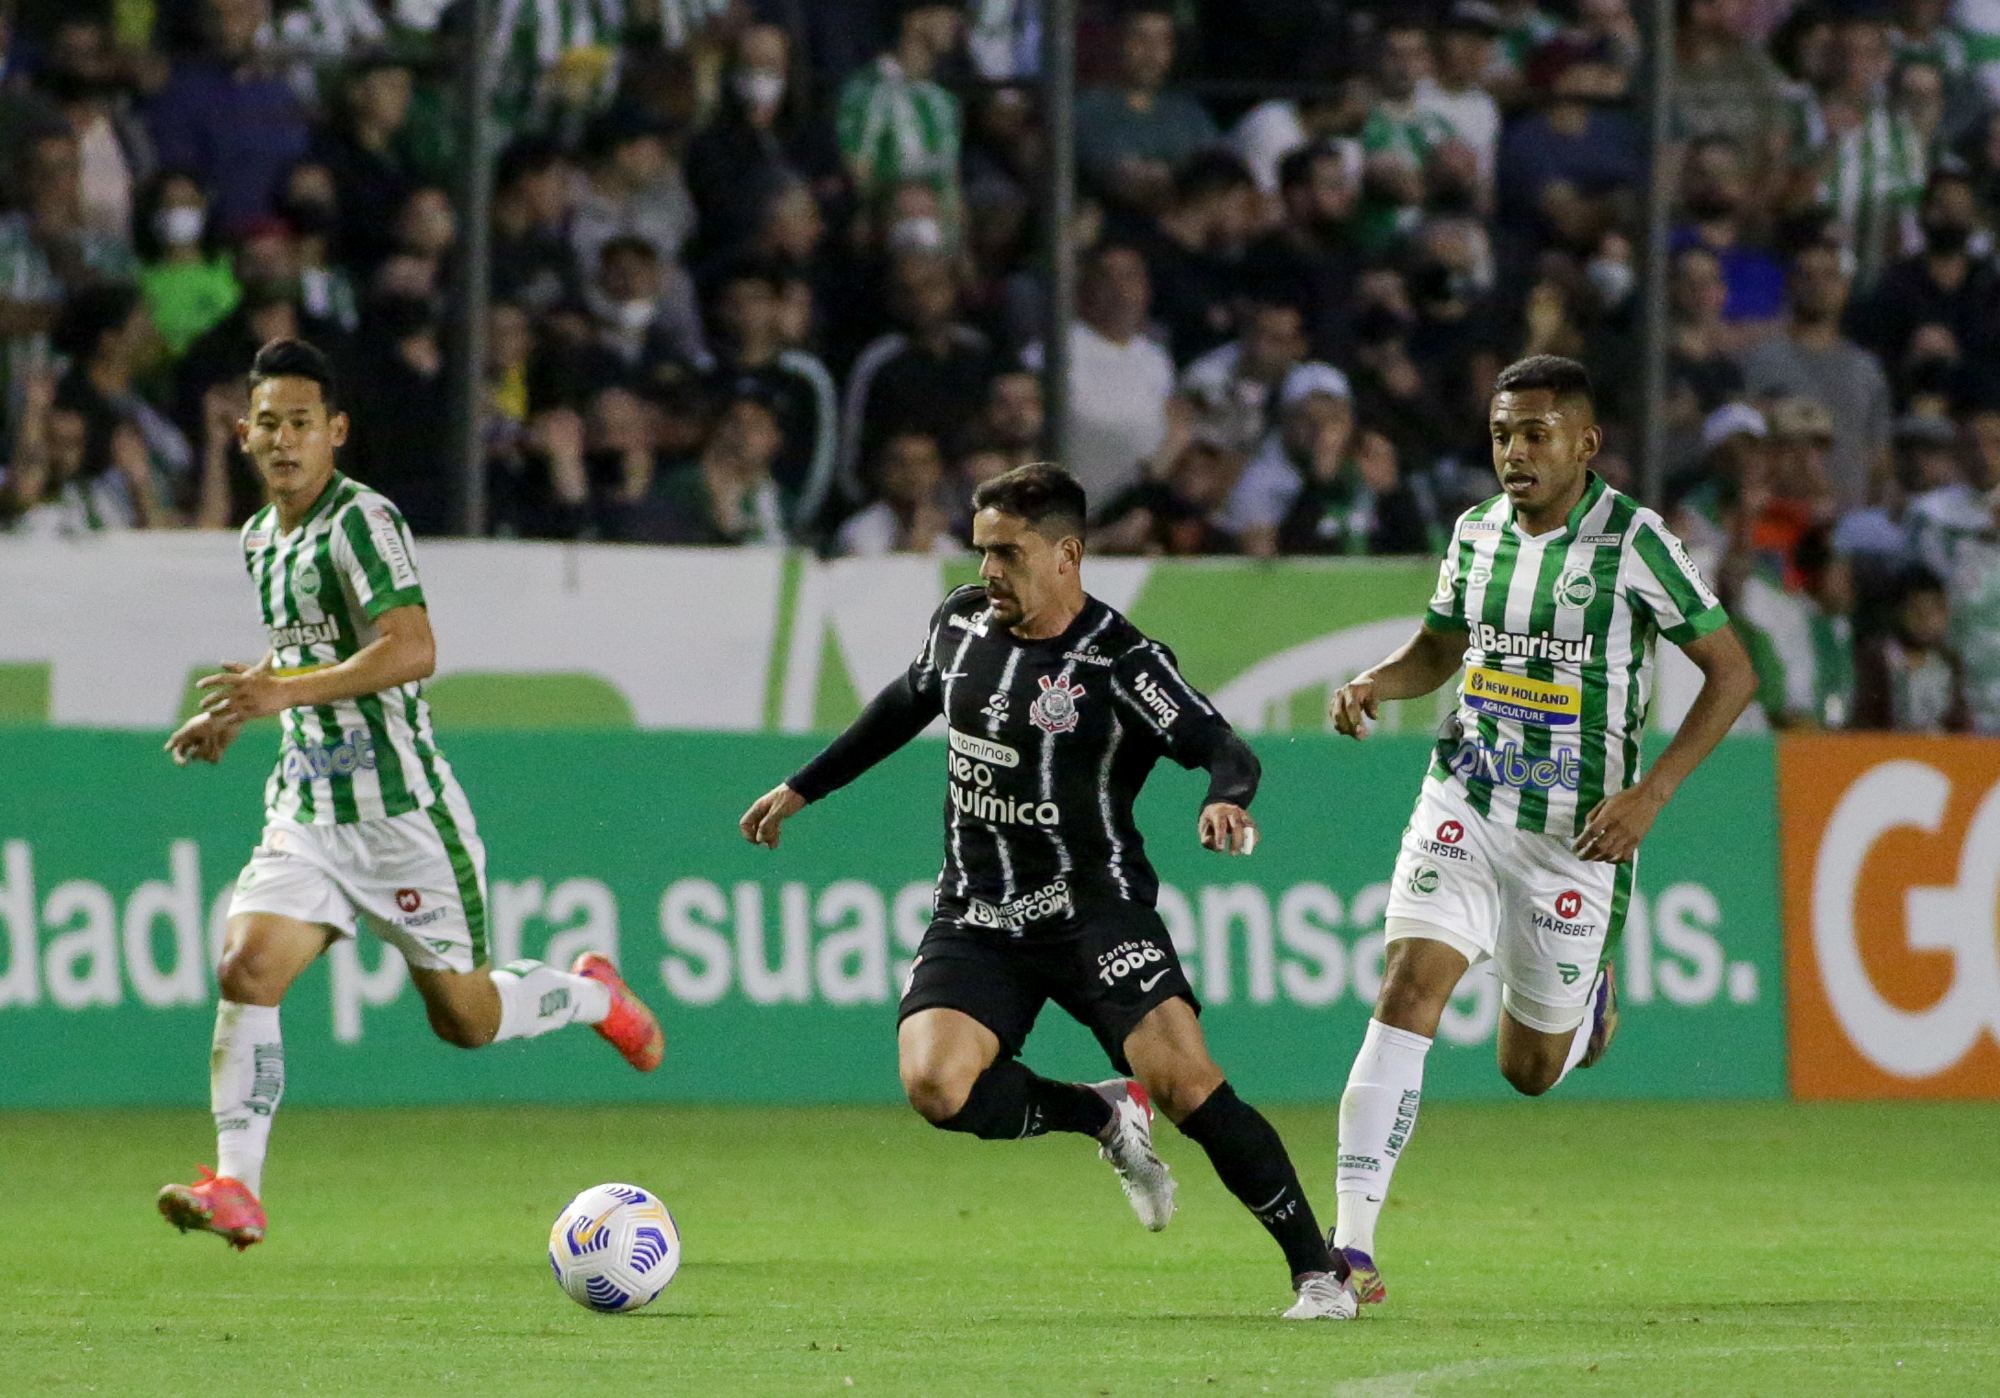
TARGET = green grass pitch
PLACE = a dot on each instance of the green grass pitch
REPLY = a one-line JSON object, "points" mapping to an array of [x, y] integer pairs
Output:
{"points": [[1544, 1249]]}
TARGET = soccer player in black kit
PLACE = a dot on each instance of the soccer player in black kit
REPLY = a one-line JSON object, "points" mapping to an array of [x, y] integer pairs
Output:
{"points": [[1057, 707]]}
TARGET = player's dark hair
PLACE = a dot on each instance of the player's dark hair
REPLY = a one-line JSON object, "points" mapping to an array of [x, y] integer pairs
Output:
{"points": [[295, 359], [1563, 377], [90, 314], [1040, 492]]}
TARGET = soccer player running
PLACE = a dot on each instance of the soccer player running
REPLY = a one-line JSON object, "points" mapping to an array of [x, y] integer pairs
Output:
{"points": [[1523, 843], [1057, 708], [363, 822]]}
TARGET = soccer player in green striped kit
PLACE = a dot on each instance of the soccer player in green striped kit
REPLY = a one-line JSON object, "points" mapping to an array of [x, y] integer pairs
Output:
{"points": [[1552, 595], [364, 821]]}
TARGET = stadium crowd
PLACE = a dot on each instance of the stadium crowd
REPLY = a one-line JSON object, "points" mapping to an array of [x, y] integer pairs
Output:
{"points": [[767, 272]]}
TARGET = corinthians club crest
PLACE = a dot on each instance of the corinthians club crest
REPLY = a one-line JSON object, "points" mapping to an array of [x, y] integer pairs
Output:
{"points": [[1054, 710]]}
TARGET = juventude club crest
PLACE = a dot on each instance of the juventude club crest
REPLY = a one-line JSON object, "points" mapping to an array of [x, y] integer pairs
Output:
{"points": [[1576, 588], [1054, 709], [306, 580]]}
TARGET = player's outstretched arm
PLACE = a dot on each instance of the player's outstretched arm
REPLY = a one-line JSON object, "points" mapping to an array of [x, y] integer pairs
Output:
{"points": [[1619, 822], [892, 718], [403, 653], [1424, 662]]}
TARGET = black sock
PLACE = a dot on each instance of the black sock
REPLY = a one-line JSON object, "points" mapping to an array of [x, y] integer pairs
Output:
{"points": [[1010, 1103], [1251, 1161]]}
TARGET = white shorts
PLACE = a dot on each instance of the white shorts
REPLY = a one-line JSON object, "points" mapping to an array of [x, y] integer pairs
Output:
{"points": [[1522, 898], [418, 880]]}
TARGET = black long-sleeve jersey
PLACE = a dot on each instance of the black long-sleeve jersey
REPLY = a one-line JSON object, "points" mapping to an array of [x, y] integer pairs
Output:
{"points": [[1049, 743]]}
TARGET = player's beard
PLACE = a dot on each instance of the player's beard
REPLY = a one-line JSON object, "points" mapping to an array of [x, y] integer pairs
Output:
{"points": [[1007, 609]]}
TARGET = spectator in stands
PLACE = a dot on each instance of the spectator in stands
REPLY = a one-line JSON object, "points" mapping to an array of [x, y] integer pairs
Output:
{"points": [[929, 376], [537, 486], [1010, 424], [188, 284], [1801, 640], [23, 112], [725, 495], [1312, 256], [898, 126], [1726, 86], [631, 346], [1954, 529], [1272, 130], [751, 354], [82, 78], [761, 136], [1455, 94], [1174, 513], [1391, 393], [425, 229], [631, 188], [46, 493], [1233, 385], [310, 207], [1862, 159], [1701, 375], [1941, 304], [1569, 170], [1812, 359], [46, 251], [236, 126], [1314, 432], [106, 334], [1194, 252], [1358, 505], [362, 147], [1909, 679], [907, 516], [1715, 190], [1133, 136], [1119, 380], [400, 440], [1401, 136], [534, 266]]}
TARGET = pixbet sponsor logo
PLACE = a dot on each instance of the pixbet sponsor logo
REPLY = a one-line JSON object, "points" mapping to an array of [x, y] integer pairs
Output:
{"points": [[1051, 900], [1127, 958], [1510, 766], [1163, 709], [355, 752]]}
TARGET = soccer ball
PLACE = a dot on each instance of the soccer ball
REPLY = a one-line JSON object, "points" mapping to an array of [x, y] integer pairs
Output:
{"points": [[614, 1248]]}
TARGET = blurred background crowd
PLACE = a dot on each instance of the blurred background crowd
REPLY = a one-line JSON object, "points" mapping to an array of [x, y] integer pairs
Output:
{"points": [[773, 271]]}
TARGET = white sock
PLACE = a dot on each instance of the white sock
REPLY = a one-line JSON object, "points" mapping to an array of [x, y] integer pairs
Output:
{"points": [[535, 998], [1377, 1114], [246, 1077], [1577, 1046]]}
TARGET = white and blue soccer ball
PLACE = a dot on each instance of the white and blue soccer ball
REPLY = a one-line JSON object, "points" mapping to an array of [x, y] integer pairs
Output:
{"points": [[614, 1248]]}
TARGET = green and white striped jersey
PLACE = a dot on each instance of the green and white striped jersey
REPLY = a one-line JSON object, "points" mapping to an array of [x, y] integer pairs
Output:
{"points": [[321, 588], [1559, 656]]}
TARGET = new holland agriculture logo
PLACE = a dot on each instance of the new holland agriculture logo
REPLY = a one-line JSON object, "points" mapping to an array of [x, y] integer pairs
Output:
{"points": [[1892, 914]]}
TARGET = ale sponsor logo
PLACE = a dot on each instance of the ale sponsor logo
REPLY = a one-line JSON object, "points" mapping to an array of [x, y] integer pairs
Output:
{"points": [[1892, 915]]}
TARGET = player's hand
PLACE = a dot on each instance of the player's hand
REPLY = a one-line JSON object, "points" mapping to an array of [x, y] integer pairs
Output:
{"points": [[760, 823], [243, 692], [1617, 824], [1228, 828], [1353, 705], [203, 738]]}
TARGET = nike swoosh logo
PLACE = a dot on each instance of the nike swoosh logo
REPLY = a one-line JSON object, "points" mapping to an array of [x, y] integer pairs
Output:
{"points": [[1151, 981]]}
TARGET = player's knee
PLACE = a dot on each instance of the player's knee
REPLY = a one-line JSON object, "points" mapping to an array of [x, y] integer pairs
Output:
{"points": [[938, 1091], [1530, 1077], [246, 975]]}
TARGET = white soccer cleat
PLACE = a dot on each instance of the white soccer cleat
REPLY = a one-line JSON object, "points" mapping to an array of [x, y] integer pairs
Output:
{"points": [[1128, 1144], [1322, 1296]]}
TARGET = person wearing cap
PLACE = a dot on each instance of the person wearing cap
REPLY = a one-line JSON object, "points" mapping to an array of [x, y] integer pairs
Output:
{"points": [[1812, 359], [1700, 500], [1314, 429]]}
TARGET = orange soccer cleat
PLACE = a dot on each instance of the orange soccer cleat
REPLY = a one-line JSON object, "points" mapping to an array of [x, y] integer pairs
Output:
{"points": [[215, 1204], [630, 1027]]}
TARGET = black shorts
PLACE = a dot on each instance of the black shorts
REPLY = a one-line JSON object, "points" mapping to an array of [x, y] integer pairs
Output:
{"points": [[1108, 974]]}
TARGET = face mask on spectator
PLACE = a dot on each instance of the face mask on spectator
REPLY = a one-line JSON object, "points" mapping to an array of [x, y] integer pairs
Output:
{"points": [[760, 87], [920, 234], [179, 227], [634, 315], [1613, 279]]}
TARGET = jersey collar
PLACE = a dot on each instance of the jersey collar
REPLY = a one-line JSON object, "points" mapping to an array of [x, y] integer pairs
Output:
{"points": [[1593, 490], [324, 500]]}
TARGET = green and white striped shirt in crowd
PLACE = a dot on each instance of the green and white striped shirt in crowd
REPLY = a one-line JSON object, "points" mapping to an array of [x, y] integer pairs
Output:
{"points": [[322, 587], [1559, 659], [896, 130], [1872, 178]]}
